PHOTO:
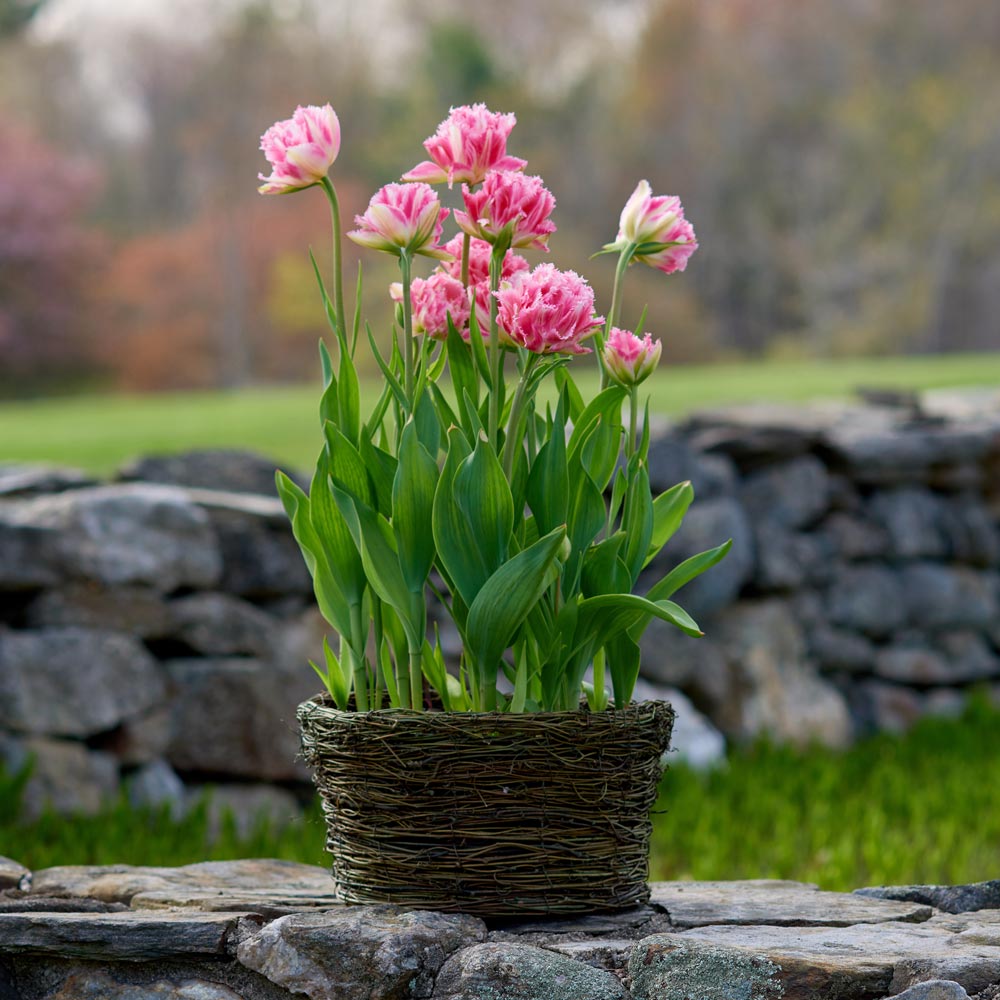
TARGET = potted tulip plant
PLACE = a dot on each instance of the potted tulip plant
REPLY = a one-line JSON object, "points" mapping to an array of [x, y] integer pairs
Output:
{"points": [[506, 782]]}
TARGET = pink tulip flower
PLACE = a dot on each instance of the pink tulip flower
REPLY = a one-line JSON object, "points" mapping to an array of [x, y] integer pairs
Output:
{"points": [[468, 144], [658, 220], [509, 200], [548, 311], [479, 261], [301, 149], [436, 298], [629, 359], [403, 217]]}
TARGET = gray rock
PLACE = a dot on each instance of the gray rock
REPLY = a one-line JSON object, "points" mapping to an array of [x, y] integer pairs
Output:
{"points": [[708, 524], [698, 666], [971, 533], [672, 460], [119, 883], [237, 717], [600, 952], [65, 776], [913, 518], [694, 740], [774, 902], [802, 963], [28, 554], [140, 611], [758, 434], [141, 738], [123, 935], [837, 650], [792, 494], [12, 874], [668, 967], [855, 536], [879, 451], [509, 970], [789, 560], [248, 807], [31, 480], [156, 784], [887, 707], [215, 624], [969, 656], [260, 557], [867, 599], [128, 534], [949, 898], [780, 692], [74, 681], [944, 597], [95, 985], [915, 665], [227, 469], [934, 989], [358, 953]]}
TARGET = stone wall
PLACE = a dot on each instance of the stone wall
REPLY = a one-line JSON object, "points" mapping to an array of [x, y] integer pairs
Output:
{"points": [[155, 630], [268, 930]]}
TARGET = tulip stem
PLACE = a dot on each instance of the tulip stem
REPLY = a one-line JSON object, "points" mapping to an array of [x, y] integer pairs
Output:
{"points": [[408, 376], [624, 259], [633, 412], [338, 266], [496, 355], [512, 442], [466, 250]]}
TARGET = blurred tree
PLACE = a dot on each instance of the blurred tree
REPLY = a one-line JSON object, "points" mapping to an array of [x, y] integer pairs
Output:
{"points": [[49, 258]]}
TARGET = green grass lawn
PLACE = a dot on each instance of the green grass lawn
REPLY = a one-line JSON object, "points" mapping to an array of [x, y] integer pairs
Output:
{"points": [[924, 807], [97, 433]]}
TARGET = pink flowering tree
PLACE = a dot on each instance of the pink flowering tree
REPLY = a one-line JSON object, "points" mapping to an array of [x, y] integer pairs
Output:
{"points": [[530, 527]]}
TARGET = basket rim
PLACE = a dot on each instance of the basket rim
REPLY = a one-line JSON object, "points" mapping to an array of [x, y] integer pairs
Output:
{"points": [[321, 704]]}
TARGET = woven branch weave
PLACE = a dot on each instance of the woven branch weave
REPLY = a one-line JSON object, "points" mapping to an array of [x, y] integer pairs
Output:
{"points": [[489, 813]]}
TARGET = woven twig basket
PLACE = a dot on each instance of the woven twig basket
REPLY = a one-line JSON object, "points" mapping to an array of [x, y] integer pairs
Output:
{"points": [[489, 813]]}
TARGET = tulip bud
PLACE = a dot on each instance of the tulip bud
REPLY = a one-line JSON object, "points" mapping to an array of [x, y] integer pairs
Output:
{"points": [[628, 359]]}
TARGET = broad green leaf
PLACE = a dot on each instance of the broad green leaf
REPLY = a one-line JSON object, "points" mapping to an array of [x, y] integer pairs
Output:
{"points": [[436, 674], [483, 494], [381, 467], [464, 377], [686, 571], [603, 407], [341, 553], [503, 603], [339, 675], [574, 400], [447, 417], [412, 506], [332, 604], [607, 615], [373, 535], [603, 570], [326, 363], [454, 538], [586, 517], [477, 346], [623, 657], [348, 397], [548, 480], [347, 469], [428, 427], [669, 509], [637, 522]]}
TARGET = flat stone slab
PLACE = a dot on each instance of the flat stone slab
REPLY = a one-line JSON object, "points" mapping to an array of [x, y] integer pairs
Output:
{"points": [[776, 902], [803, 963], [265, 902], [119, 883], [950, 898], [124, 935]]}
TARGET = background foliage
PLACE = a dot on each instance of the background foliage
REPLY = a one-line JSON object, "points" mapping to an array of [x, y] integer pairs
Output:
{"points": [[841, 164]]}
